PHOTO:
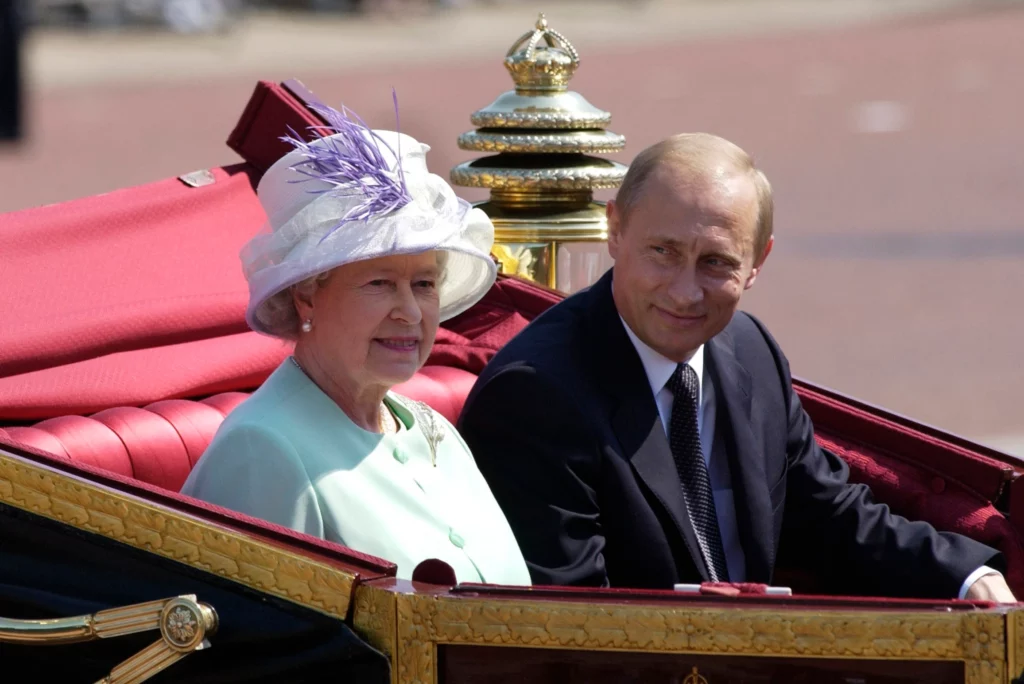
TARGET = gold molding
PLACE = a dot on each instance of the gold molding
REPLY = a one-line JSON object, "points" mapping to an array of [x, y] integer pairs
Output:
{"points": [[424, 622], [191, 541], [599, 175], [375, 618], [1015, 645], [553, 142], [416, 644], [541, 119]]}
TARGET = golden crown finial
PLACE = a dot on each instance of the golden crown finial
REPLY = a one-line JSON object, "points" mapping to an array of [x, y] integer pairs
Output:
{"points": [[547, 67]]}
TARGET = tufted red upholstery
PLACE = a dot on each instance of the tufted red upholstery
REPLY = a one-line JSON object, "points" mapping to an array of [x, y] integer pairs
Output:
{"points": [[160, 443], [922, 474]]}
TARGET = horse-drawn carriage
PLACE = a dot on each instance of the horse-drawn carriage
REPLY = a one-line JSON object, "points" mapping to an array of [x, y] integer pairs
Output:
{"points": [[124, 347]]}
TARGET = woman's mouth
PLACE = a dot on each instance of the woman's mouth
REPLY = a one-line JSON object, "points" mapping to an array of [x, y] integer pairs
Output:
{"points": [[398, 344]]}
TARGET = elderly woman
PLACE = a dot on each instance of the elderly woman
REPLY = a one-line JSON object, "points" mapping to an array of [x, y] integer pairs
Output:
{"points": [[366, 253]]}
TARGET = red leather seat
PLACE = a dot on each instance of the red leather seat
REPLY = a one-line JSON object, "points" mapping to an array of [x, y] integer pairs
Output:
{"points": [[160, 442]]}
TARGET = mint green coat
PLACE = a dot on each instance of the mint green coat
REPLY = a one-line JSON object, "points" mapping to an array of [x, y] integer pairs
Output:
{"points": [[290, 455]]}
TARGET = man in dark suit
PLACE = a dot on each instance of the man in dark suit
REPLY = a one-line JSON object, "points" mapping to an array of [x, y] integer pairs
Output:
{"points": [[642, 433]]}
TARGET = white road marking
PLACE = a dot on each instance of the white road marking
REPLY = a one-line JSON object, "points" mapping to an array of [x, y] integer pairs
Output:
{"points": [[881, 116]]}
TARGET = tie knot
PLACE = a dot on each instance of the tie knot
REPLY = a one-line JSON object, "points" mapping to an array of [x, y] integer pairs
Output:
{"points": [[684, 381]]}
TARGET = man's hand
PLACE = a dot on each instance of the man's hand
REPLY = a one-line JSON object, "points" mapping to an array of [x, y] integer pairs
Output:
{"points": [[991, 587]]}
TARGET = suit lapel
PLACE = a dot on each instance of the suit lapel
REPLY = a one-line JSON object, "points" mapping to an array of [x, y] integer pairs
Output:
{"points": [[746, 457], [635, 419]]}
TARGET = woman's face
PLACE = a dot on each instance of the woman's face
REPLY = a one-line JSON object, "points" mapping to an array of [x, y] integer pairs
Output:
{"points": [[374, 321]]}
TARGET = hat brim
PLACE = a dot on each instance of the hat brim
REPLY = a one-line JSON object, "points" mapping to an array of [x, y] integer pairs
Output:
{"points": [[469, 272]]}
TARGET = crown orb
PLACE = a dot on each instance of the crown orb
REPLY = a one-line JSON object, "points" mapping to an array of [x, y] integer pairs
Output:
{"points": [[542, 22]]}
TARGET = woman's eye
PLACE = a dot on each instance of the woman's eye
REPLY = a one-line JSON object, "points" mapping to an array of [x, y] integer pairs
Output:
{"points": [[380, 282], [659, 250], [426, 284]]}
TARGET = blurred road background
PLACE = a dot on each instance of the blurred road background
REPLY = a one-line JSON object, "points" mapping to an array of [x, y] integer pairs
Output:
{"points": [[890, 129]]}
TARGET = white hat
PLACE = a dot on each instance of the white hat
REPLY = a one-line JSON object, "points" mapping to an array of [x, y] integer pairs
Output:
{"points": [[345, 198]]}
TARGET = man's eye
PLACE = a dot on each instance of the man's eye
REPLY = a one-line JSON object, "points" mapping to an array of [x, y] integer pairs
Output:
{"points": [[657, 249]]}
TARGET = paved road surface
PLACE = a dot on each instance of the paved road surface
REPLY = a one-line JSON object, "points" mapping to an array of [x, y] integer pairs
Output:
{"points": [[894, 148]]}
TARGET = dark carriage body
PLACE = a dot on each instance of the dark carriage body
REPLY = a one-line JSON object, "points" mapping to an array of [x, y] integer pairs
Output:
{"points": [[124, 348]]}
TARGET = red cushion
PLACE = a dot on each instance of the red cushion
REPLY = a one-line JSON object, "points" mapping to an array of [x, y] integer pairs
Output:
{"points": [[225, 402], [914, 494], [920, 473], [471, 339], [80, 439], [194, 422], [157, 452], [160, 443], [444, 388], [35, 438]]}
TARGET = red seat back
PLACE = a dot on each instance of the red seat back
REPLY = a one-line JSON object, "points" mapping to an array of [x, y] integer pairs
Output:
{"points": [[160, 443]]}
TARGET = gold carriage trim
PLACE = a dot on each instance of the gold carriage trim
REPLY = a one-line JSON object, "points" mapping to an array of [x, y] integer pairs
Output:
{"points": [[184, 624], [177, 536], [977, 639], [375, 618]]}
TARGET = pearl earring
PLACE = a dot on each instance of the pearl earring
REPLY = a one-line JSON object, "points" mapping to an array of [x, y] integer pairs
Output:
{"points": [[307, 325]]}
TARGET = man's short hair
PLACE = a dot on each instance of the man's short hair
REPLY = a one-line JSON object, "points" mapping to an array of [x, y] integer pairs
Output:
{"points": [[692, 152]]}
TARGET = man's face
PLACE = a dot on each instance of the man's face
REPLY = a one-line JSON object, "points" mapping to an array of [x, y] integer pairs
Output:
{"points": [[683, 256]]}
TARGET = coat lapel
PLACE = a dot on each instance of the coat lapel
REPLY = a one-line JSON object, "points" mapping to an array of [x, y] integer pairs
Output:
{"points": [[746, 457], [635, 419]]}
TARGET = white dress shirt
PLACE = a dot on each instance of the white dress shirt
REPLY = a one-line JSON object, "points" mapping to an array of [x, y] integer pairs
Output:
{"points": [[659, 370]]}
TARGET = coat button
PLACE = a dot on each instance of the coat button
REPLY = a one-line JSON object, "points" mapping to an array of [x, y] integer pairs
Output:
{"points": [[400, 455], [456, 539]]}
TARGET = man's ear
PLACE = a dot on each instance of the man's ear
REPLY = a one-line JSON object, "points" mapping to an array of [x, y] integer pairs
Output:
{"points": [[759, 263], [614, 227]]}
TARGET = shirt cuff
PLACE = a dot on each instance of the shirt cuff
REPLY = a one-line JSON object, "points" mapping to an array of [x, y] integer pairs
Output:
{"points": [[974, 577]]}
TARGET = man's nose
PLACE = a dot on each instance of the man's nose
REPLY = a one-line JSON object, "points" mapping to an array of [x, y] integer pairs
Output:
{"points": [[685, 288]]}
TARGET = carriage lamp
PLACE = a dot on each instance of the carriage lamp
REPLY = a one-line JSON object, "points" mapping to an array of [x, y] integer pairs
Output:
{"points": [[547, 226]]}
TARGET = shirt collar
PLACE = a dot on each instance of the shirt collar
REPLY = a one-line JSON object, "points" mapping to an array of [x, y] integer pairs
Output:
{"points": [[659, 369]]}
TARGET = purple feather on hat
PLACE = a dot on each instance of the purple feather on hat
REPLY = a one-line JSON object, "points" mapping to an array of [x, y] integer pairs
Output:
{"points": [[348, 157]]}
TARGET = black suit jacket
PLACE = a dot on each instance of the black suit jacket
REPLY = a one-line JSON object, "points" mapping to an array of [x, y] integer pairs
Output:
{"points": [[564, 427]]}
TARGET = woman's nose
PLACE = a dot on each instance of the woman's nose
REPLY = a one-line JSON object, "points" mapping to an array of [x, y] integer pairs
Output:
{"points": [[407, 307]]}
